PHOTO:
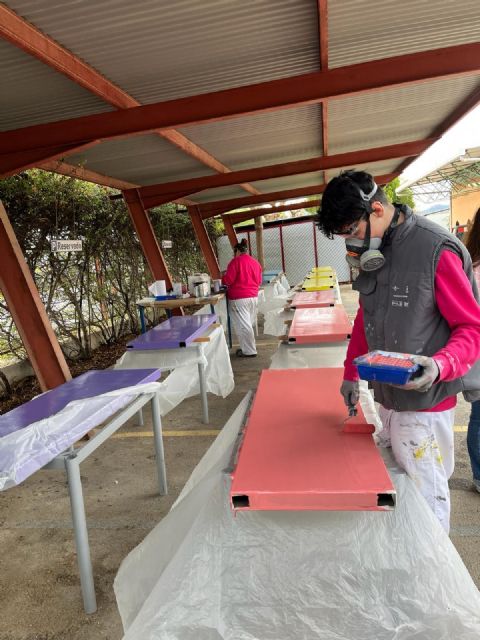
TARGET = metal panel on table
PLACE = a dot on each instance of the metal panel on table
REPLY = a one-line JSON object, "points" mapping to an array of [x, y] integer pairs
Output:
{"points": [[178, 331], [296, 456], [329, 324]]}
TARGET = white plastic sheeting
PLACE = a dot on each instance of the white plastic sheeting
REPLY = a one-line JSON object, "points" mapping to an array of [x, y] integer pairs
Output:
{"points": [[275, 296], [289, 356], [205, 574], [183, 381], [274, 322], [27, 450]]}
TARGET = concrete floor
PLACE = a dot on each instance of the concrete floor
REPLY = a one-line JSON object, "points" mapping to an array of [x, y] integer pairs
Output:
{"points": [[39, 588]]}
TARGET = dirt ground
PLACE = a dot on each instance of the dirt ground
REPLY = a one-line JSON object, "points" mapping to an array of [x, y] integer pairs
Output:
{"points": [[39, 588]]}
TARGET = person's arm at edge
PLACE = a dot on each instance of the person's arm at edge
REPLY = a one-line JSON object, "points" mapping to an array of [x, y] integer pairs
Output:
{"points": [[357, 347], [457, 304]]}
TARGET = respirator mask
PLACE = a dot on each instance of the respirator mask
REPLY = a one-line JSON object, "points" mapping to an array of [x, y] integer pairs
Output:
{"points": [[364, 253]]}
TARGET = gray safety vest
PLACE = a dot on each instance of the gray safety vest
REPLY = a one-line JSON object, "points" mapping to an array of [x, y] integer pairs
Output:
{"points": [[400, 312]]}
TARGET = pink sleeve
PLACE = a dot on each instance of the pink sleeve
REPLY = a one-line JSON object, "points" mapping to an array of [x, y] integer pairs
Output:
{"points": [[457, 304], [231, 273], [357, 346]]}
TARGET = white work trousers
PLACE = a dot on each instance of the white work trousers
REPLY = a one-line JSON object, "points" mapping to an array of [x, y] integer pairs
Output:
{"points": [[422, 445], [243, 313]]}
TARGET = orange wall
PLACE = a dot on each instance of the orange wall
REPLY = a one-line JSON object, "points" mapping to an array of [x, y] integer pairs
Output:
{"points": [[463, 208]]}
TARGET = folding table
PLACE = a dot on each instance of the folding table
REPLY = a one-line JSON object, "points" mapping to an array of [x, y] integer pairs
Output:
{"points": [[27, 445], [328, 324], [178, 332], [296, 454]]}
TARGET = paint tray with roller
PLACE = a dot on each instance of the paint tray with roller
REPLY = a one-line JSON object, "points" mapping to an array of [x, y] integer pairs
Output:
{"points": [[386, 366]]}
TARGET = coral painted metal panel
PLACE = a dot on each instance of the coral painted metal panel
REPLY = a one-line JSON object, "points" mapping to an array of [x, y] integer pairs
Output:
{"points": [[330, 324], [313, 299], [296, 455]]}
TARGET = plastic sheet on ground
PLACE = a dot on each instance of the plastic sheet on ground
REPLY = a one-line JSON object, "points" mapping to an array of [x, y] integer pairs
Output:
{"points": [[25, 451], [205, 574], [183, 381]]}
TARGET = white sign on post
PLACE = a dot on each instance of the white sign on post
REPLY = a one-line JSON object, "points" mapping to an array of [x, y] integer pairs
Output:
{"points": [[66, 245], [167, 244]]}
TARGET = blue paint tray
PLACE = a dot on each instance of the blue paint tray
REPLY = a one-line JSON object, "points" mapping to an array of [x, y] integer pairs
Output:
{"points": [[386, 366]]}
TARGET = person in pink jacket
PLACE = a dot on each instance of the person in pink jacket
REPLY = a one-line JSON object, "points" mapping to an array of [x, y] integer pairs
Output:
{"points": [[243, 279]]}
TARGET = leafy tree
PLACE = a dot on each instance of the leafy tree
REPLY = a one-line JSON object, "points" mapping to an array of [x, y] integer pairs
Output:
{"points": [[406, 197], [95, 289]]}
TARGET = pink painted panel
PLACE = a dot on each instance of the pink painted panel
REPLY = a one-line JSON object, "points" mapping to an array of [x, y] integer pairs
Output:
{"points": [[313, 299], [295, 454], [329, 324]]}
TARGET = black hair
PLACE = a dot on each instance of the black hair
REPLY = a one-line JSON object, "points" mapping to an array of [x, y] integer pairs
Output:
{"points": [[342, 203], [241, 246]]}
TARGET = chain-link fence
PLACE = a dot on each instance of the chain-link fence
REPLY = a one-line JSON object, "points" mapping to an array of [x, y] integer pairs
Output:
{"points": [[293, 247]]}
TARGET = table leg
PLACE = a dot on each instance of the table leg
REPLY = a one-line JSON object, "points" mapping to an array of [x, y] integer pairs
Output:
{"points": [[143, 328], [158, 440], [169, 313], [140, 420], [81, 534], [203, 392]]}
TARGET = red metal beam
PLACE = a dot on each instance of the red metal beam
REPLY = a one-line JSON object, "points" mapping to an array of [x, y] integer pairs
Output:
{"points": [[28, 312], [232, 236], [158, 194], [204, 242], [25, 36], [146, 235], [210, 209], [276, 94], [235, 218], [85, 174]]}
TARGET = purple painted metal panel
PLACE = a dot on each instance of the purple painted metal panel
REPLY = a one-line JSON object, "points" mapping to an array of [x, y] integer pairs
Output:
{"points": [[178, 331], [88, 385]]}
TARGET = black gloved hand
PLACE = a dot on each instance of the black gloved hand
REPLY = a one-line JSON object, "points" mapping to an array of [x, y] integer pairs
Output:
{"points": [[350, 391]]}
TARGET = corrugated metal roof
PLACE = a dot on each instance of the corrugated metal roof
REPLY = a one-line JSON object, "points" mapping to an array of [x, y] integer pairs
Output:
{"points": [[224, 193], [162, 50], [290, 182], [33, 92], [142, 160], [361, 30], [396, 115], [261, 139]]}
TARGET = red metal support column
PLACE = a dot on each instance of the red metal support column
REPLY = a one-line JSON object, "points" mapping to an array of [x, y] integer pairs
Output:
{"points": [[204, 241], [28, 312], [146, 235], [232, 236]]}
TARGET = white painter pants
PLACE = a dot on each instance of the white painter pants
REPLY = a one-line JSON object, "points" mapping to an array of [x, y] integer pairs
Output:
{"points": [[422, 445], [243, 313]]}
